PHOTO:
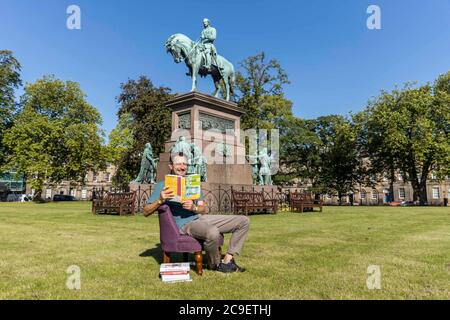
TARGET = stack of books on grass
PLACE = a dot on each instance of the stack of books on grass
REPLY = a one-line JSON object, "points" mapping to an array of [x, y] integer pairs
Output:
{"points": [[175, 272]]}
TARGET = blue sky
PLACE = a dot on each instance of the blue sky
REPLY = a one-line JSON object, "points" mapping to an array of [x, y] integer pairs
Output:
{"points": [[335, 63]]}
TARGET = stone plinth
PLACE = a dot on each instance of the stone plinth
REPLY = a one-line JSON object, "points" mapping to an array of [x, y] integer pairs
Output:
{"points": [[213, 125]]}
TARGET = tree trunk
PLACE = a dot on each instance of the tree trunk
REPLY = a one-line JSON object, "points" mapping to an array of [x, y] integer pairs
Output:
{"points": [[416, 192], [38, 196], [419, 186], [391, 184], [423, 197]]}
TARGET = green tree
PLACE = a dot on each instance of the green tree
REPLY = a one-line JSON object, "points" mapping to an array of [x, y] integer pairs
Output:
{"points": [[300, 156], [322, 152], [120, 138], [9, 82], [259, 80], [340, 171], [412, 130], [56, 136], [376, 155], [260, 94], [148, 119], [120, 148], [275, 112]]}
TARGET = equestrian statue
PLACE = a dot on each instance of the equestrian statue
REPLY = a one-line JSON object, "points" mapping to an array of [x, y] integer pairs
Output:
{"points": [[202, 59]]}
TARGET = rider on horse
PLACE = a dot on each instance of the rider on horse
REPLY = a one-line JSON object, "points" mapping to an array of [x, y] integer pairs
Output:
{"points": [[207, 45]]}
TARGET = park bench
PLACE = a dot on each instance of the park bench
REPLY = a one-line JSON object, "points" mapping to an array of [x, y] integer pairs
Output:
{"points": [[301, 201], [252, 201], [122, 203]]}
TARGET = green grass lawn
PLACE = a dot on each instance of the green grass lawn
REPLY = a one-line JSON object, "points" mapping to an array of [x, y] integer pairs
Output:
{"points": [[288, 255]]}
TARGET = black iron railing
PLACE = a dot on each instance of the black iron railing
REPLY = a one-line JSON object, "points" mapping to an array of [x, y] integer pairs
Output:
{"points": [[218, 201]]}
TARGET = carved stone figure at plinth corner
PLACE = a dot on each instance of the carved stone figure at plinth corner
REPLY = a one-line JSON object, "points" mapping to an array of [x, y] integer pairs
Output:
{"points": [[147, 172], [261, 168], [265, 170], [199, 163], [181, 146]]}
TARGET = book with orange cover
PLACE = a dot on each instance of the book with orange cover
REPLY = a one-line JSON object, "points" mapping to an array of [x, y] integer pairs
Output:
{"points": [[184, 188]]}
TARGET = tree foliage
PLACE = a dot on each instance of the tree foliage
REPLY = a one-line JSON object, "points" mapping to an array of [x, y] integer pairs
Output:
{"points": [[300, 158], [147, 119], [56, 136], [258, 81], [340, 170], [322, 152], [9, 82], [120, 138], [408, 131]]}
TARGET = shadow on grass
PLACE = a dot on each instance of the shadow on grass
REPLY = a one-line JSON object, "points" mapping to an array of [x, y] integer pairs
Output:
{"points": [[157, 254]]}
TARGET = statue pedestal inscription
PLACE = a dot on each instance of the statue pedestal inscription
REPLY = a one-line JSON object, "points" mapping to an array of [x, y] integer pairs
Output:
{"points": [[213, 125]]}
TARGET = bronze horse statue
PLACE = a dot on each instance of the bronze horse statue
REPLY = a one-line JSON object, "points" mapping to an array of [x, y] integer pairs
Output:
{"points": [[184, 49]]}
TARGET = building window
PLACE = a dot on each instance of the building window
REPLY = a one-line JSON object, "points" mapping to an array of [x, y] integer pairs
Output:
{"points": [[72, 192], [108, 177], [374, 195], [94, 177], [83, 194], [401, 193], [48, 194], [363, 194], [435, 192]]}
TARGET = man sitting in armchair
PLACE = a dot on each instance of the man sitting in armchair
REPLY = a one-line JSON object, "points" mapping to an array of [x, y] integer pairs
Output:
{"points": [[191, 218]]}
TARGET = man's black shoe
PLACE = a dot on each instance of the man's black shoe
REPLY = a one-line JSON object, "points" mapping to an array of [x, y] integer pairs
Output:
{"points": [[229, 267], [226, 267], [238, 269]]}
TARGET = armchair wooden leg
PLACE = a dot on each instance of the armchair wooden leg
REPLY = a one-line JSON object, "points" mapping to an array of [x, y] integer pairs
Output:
{"points": [[166, 257], [199, 262]]}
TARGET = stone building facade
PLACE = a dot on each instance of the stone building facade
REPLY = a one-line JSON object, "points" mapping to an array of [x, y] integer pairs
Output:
{"points": [[438, 194], [101, 180]]}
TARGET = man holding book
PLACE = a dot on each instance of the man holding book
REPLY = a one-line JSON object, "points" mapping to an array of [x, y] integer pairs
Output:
{"points": [[191, 218]]}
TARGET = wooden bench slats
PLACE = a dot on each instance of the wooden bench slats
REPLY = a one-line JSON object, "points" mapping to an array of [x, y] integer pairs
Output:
{"points": [[122, 203], [252, 201], [300, 201]]}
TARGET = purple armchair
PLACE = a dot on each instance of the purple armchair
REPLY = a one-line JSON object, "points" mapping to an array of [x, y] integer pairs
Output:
{"points": [[173, 241]]}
